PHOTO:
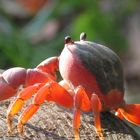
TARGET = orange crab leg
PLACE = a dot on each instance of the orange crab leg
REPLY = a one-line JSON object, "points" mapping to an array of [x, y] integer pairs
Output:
{"points": [[96, 107], [130, 112], [67, 87], [17, 104], [51, 92], [81, 102]]}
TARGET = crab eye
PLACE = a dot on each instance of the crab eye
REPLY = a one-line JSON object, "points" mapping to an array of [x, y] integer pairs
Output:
{"points": [[83, 36], [68, 39]]}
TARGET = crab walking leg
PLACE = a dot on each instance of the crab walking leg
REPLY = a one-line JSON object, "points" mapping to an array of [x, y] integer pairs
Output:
{"points": [[51, 92], [67, 87], [96, 107], [17, 104], [81, 102], [130, 112]]}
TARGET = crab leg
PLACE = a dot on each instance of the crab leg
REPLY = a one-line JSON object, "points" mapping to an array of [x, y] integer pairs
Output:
{"points": [[81, 102], [51, 92], [17, 104], [96, 107]]}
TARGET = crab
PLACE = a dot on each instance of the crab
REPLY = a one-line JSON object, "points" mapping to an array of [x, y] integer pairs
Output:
{"points": [[92, 81]]}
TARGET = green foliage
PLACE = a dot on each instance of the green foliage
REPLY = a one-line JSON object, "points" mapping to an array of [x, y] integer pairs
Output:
{"points": [[14, 51], [105, 26]]}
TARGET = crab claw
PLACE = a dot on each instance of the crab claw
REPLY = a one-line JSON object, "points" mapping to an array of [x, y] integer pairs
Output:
{"points": [[10, 80], [6, 90], [13, 78]]}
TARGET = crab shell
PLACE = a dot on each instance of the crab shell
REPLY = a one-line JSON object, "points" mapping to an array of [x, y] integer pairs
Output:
{"points": [[95, 67]]}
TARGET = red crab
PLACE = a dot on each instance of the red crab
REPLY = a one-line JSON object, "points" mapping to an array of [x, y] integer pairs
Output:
{"points": [[92, 81]]}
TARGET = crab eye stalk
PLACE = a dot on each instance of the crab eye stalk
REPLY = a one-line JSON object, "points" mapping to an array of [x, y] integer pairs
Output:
{"points": [[68, 40], [83, 36]]}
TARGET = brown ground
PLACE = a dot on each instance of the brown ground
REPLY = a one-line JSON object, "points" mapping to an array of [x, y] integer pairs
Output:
{"points": [[52, 122]]}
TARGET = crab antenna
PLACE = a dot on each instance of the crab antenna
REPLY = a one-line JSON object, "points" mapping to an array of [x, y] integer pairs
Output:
{"points": [[83, 36], [68, 40]]}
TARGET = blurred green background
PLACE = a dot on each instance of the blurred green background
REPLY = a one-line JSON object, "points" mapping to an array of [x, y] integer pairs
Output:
{"points": [[33, 30]]}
